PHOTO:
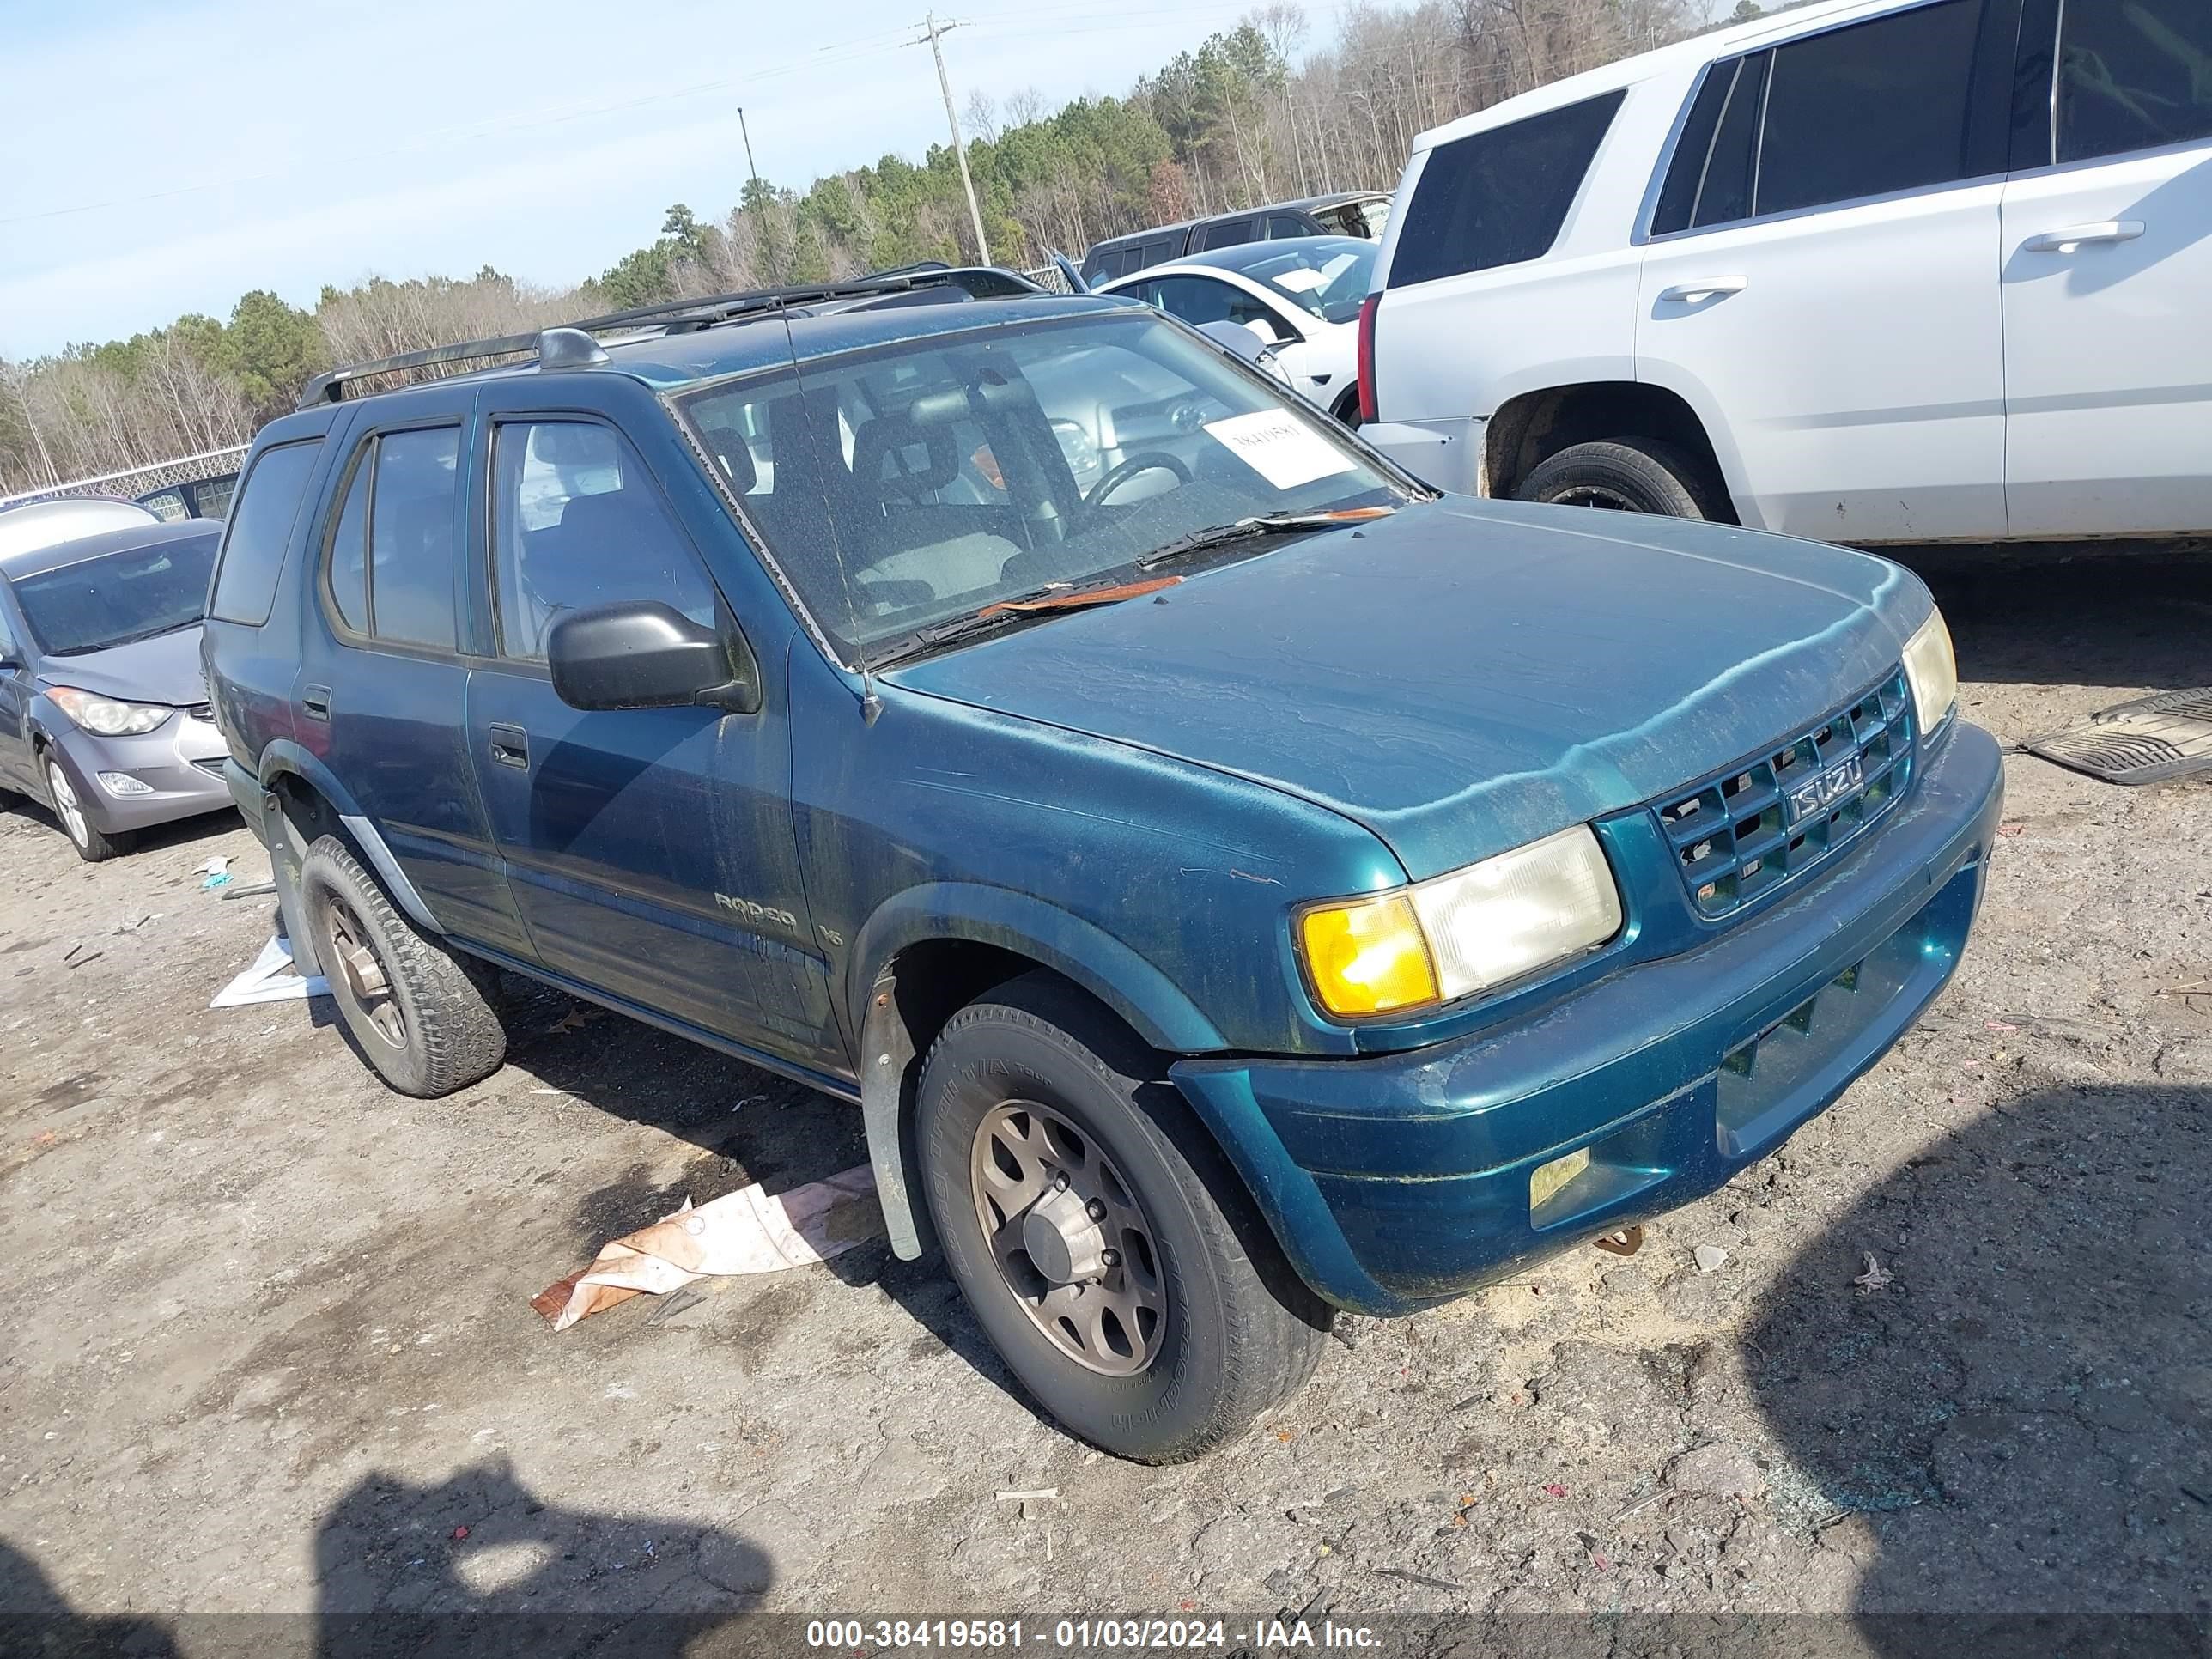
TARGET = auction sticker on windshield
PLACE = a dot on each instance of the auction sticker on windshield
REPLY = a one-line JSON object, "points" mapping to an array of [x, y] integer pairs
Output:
{"points": [[1280, 448]]}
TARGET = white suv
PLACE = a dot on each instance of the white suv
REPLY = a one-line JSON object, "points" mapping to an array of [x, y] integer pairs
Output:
{"points": [[1865, 271]]}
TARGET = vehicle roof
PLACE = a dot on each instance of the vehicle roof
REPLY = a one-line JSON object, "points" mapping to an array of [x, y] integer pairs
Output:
{"points": [[1683, 55], [1335, 198], [669, 361], [1240, 256], [1127, 237], [56, 555], [24, 525]]}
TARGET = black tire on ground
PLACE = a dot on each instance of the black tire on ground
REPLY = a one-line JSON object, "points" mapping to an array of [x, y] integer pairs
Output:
{"points": [[414, 1011], [1627, 475], [1239, 1332], [94, 845]]}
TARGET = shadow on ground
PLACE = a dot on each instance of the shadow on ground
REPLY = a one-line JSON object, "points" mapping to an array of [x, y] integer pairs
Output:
{"points": [[2126, 613], [474, 1567], [2021, 1419]]}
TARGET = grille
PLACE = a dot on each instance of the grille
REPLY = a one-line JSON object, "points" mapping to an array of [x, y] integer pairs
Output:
{"points": [[1766, 821]]}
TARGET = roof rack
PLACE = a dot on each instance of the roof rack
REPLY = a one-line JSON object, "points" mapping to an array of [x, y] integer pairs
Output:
{"points": [[569, 345]]}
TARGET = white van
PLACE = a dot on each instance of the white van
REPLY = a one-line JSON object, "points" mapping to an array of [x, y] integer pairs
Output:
{"points": [[1868, 271]]}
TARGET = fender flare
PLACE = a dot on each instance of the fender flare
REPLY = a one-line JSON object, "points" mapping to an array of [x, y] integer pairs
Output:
{"points": [[1079, 951], [285, 756]]}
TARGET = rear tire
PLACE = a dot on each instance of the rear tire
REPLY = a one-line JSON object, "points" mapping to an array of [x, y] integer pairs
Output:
{"points": [[94, 845], [414, 1011], [1194, 1324], [1624, 475]]}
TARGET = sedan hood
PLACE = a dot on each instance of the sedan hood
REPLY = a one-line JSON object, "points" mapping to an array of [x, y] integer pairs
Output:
{"points": [[1463, 678], [164, 669]]}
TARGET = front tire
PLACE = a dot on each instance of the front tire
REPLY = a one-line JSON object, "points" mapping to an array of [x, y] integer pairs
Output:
{"points": [[93, 844], [1624, 475], [413, 1010], [1104, 1243]]}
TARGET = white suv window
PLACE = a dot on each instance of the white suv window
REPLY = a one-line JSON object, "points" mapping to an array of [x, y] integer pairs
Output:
{"points": [[1863, 110], [1499, 197], [2132, 75]]}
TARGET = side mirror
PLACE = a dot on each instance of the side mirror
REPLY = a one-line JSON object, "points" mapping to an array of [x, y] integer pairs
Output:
{"points": [[647, 655]]}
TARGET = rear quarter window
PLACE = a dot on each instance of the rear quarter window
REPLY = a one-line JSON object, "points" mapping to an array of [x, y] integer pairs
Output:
{"points": [[260, 532], [1499, 197]]}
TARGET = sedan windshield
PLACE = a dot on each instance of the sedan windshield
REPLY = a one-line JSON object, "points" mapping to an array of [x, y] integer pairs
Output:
{"points": [[905, 488], [1327, 276], [116, 598]]}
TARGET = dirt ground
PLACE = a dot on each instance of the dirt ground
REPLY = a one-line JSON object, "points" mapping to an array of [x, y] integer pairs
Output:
{"points": [[269, 1348]]}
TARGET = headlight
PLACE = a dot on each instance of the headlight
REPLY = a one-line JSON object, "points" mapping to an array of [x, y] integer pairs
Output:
{"points": [[1449, 937], [1932, 671], [104, 715]]}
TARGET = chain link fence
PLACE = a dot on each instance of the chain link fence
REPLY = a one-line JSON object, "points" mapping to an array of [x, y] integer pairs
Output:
{"points": [[134, 481]]}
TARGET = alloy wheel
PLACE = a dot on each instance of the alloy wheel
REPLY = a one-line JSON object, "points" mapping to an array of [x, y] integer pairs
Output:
{"points": [[361, 973], [1597, 495], [1071, 1243], [67, 806]]}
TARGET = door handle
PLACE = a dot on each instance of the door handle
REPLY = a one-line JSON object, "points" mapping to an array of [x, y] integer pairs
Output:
{"points": [[315, 702], [2067, 237], [1703, 288], [510, 745]]}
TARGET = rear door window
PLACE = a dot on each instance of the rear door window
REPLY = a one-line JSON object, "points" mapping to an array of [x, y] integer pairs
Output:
{"points": [[1499, 197], [260, 532], [2132, 75], [1229, 233], [411, 537], [1865, 111]]}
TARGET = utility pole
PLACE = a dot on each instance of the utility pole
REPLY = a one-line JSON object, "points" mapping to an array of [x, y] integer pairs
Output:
{"points": [[930, 29], [760, 213]]}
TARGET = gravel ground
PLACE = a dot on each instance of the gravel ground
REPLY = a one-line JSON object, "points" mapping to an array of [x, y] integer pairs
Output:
{"points": [[269, 1346]]}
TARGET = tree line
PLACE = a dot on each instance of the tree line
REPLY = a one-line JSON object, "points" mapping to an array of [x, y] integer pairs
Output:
{"points": [[1259, 112]]}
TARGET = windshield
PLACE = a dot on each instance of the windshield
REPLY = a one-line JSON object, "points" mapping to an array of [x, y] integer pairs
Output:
{"points": [[1327, 276], [906, 487], [119, 597]]}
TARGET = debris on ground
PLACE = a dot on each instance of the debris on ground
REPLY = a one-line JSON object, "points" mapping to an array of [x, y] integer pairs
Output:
{"points": [[1710, 1258], [1038, 1493], [1875, 1277], [270, 977], [746, 1232]]}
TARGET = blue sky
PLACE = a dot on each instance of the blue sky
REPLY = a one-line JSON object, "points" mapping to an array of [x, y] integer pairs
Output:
{"points": [[161, 158]]}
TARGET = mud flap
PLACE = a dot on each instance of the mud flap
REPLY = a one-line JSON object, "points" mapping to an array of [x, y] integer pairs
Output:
{"points": [[887, 1086]]}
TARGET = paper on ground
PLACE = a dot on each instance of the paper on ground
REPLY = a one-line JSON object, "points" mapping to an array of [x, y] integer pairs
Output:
{"points": [[271, 979], [747, 1231], [1280, 446]]}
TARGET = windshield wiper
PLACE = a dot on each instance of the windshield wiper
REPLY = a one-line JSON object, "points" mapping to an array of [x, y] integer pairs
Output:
{"points": [[1005, 612], [1261, 524]]}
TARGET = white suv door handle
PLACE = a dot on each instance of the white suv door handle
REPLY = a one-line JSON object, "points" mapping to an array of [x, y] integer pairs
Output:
{"points": [[1703, 288], [2069, 237]]}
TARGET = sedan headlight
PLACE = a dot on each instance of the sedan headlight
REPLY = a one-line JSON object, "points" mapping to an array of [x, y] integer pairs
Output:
{"points": [[1449, 937], [1932, 671], [106, 716]]}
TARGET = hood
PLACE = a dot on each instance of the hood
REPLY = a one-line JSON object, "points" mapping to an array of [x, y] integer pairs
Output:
{"points": [[164, 669], [1465, 676]]}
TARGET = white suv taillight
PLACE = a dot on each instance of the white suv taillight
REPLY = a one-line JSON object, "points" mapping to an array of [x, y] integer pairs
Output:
{"points": [[1367, 307]]}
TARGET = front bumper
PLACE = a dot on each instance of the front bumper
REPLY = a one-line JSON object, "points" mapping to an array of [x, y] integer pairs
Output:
{"points": [[180, 763], [1403, 1181]]}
